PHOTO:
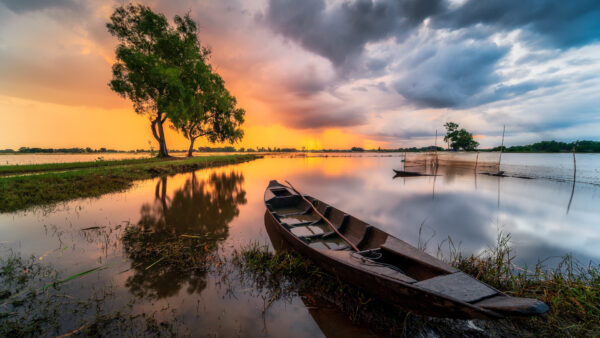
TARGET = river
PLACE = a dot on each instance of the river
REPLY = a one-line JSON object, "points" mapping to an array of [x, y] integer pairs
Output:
{"points": [[547, 219]]}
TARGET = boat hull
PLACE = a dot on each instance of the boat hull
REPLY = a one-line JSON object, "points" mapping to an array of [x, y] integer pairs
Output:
{"points": [[401, 295]]}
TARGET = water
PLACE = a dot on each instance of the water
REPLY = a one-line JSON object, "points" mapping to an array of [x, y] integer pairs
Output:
{"points": [[550, 166], [224, 206]]}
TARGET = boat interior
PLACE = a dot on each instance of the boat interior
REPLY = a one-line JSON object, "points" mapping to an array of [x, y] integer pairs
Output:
{"points": [[297, 216]]}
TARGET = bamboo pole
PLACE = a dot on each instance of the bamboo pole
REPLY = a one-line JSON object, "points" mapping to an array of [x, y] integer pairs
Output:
{"points": [[324, 218], [477, 160], [435, 149], [501, 147], [574, 164], [574, 179]]}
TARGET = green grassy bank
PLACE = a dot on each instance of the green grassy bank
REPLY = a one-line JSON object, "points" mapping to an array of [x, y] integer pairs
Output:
{"points": [[91, 179], [18, 169]]}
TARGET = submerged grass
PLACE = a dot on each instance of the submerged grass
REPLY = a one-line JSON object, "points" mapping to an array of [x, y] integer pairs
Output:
{"points": [[21, 192], [33, 304], [571, 291]]}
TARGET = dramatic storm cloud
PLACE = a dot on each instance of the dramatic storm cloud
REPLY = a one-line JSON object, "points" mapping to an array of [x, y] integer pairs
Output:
{"points": [[464, 56], [560, 24], [451, 75], [335, 72], [342, 31]]}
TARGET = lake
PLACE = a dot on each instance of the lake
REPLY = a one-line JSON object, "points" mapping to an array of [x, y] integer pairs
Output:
{"points": [[548, 217]]}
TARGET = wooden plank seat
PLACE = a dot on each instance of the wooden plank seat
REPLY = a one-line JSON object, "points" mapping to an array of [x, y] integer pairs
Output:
{"points": [[324, 235], [460, 286], [304, 212]]}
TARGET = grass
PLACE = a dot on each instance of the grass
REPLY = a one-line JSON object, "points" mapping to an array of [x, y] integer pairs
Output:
{"points": [[46, 189], [37, 168], [287, 275], [570, 290], [30, 309]]}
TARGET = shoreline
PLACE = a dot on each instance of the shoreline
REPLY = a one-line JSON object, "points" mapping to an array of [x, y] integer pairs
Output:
{"points": [[93, 179]]}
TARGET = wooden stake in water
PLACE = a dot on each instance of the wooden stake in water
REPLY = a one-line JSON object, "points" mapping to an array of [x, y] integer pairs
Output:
{"points": [[574, 164], [477, 160], [501, 147], [435, 149], [574, 178]]}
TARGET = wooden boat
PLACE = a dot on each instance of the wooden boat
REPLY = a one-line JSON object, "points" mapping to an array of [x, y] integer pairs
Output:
{"points": [[382, 265], [403, 173]]}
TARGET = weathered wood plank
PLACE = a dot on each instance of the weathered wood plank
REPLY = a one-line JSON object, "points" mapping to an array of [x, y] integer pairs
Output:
{"points": [[458, 285]]}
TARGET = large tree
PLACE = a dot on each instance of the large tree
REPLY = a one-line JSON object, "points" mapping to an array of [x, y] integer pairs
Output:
{"points": [[149, 63], [459, 138]]}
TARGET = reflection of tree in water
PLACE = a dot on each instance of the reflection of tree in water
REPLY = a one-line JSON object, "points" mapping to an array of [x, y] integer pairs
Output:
{"points": [[162, 259]]}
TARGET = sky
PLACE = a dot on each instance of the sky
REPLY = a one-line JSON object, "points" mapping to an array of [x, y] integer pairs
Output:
{"points": [[319, 73]]}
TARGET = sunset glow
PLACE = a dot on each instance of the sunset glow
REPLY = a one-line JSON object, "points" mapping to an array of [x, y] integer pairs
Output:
{"points": [[393, 85]]}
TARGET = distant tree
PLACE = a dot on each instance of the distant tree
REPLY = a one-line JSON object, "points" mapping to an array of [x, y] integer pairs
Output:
{"points": [[459, 138], [451, 132], [149, 63]]}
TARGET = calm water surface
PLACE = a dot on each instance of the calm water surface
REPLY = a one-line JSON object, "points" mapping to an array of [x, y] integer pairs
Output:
{"points": [[546, 218]]}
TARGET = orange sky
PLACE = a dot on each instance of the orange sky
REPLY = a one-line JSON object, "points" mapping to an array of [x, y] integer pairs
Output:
{"points": [[54, 93]]}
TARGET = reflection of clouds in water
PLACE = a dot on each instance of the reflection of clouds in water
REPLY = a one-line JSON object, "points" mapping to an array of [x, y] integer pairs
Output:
{"points": [[528, 250], [465, 207], [465, 218]]}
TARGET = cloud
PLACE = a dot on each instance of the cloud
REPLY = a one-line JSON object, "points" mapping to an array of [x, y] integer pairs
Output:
{"points": [[449, 74], [20, 6], [317, 113], [341, 31], [70, 79], [553, 23], [388, 70]]}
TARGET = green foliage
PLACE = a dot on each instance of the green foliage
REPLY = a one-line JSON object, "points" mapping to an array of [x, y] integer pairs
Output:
{"points": [[459, 138], [162, 69], [227, 149], [75, 150], [151, 60], [211, 111], [416, 150], [555, 147]]}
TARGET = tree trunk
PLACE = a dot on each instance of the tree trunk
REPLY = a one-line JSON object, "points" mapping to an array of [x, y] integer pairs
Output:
{"points": [[192, 139], [159, 135]]}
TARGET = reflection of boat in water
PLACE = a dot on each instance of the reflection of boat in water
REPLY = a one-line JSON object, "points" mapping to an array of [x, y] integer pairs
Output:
{"points": [[330, 320], [386, 267]]}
